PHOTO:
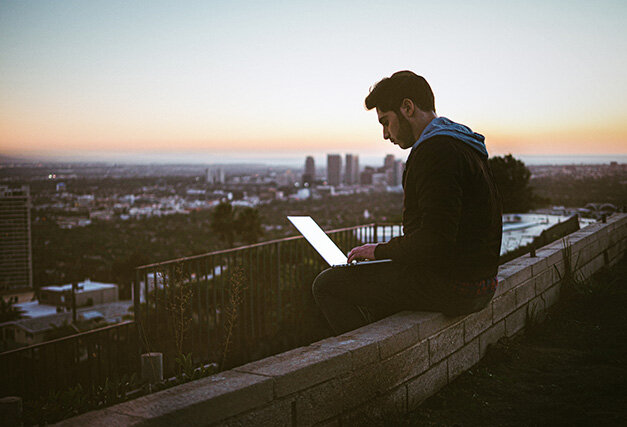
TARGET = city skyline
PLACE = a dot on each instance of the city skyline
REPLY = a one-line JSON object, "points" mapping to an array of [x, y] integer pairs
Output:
{"points": [[139, 82]]}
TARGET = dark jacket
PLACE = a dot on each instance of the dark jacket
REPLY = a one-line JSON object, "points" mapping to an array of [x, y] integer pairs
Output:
{"points": [[451, 215]]}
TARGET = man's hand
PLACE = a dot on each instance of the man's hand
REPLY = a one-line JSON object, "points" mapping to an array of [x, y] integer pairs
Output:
{"points": [[362, 252]]}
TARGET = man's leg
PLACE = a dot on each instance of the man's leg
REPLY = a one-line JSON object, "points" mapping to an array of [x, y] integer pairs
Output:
{"points": [[341, 292]]}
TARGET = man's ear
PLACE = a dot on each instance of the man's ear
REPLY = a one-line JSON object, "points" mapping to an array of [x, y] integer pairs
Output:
{"points": [[408, 107]]}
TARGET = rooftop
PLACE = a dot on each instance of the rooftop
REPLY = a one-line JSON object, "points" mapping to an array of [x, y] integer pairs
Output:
{"points": [[111, 312], [86, 286]]}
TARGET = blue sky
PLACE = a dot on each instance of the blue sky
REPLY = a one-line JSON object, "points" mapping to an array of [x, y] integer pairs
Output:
{"points": [[120, 79]]}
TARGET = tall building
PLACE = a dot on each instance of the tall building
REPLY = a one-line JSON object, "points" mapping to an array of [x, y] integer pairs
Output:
{"points": [[351, 173], [309, 176], [365, 178], [215, 176], [394, 175], [388, 163], [399, 167], [334, 169], [16, 265]]}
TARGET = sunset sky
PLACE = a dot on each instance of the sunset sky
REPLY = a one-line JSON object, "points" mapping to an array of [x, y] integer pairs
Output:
{"points": [[215, 80]]}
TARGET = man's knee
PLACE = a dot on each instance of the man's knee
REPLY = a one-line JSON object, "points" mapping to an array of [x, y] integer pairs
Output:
{"points": [[324, 282]]}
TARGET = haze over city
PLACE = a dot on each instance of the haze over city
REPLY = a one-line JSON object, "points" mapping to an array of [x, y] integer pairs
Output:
{"points": [[210, 82]]}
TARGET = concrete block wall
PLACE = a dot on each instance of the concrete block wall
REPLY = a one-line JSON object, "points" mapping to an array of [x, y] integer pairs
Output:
{"points": [[386, 367]]}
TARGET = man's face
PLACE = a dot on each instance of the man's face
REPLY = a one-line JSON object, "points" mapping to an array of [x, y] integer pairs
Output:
{"points": [[396, 128]]}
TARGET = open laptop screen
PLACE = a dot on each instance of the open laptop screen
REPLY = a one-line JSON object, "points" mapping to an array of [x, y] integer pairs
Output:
{"points": [[319, 240]]}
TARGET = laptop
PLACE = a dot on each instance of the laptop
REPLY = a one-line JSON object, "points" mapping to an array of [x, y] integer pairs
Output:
{"points": [[323, 244]]}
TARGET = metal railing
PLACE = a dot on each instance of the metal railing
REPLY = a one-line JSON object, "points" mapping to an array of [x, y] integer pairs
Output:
{"points": [[187, 304], [87, 358]]}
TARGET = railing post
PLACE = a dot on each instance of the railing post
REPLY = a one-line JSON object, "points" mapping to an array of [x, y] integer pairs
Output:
{"points": [[278, 270], [136, 294], [11, 411], [152, 367], [137, 307]]}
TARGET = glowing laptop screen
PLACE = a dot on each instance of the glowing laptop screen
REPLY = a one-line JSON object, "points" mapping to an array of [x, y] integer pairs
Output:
{"points": [[319, 240]]}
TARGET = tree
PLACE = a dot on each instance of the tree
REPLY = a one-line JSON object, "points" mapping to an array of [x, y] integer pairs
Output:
{"points": [[512, 179], [223, 222], [123, 271], [248, 225], [8, 311]]}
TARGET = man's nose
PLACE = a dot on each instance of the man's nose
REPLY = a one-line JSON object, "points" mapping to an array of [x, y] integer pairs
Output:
{"points": [[386, 134]]}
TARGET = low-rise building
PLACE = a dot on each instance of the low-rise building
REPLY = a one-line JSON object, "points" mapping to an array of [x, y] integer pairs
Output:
{"points": [[24, 332], [86, 293]]}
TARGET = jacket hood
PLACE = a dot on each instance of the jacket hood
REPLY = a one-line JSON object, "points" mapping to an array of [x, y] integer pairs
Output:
{"points": [[444, 126]]}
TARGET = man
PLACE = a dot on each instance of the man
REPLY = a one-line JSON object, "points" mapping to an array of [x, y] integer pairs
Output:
{"points": [[447, 259]]}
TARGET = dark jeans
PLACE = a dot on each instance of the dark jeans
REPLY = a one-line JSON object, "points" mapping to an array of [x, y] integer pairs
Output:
{"points": [[351, 297]]}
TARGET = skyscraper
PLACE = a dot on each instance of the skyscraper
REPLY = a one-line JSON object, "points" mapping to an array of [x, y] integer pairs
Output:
{"points": [[397, 174], [351, 173], [334, 169], [388, 163], [16, 269], [394, 174], [215, 176], [309, 176], [365, 178]]}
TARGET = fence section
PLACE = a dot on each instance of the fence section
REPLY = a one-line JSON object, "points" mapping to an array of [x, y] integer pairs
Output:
{"points": [[88, 358], [240, 304]]}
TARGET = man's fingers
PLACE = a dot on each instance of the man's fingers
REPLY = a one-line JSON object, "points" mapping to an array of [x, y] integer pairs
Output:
{"points": [[352, 255]]}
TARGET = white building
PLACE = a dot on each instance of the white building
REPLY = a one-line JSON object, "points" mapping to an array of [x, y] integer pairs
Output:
{"points": [[87, 293]]}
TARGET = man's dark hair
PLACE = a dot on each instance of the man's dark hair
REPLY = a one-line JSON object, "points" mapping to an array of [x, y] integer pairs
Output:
{"points": [[388, 94]]}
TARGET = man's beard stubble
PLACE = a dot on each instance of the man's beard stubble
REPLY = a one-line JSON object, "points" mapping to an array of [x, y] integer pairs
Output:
{"points": [[405, 134]]}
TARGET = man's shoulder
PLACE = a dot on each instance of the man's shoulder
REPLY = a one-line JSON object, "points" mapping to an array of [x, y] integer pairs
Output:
{"points": [[439, 145]]}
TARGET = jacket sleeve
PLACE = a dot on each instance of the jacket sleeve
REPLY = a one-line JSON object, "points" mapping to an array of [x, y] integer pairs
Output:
{"points": [[435, 180]]}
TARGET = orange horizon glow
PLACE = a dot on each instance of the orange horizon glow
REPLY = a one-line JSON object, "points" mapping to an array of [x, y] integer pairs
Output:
{"points": [[16, 141], [535, 78]]}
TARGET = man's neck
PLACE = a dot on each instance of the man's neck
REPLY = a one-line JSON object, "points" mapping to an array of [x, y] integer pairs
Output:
{"points": [[422, 122]]}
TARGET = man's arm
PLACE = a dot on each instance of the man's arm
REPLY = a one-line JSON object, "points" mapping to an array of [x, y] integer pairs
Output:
{"points": [[436, 182]]}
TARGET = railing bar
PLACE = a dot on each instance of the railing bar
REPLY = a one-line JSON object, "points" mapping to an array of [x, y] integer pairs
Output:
{"points": [[146, 301], [252, 293], [68, 338], [98, 351], [267, 289], [220, 325], [199, 323], [117, 350], [242, 326], [205, 318], [259, 293], [77, 358], [303, 274], [56, 365], [240, 248], [279, 296], [157, 295], [214, 304], [290, 285]]}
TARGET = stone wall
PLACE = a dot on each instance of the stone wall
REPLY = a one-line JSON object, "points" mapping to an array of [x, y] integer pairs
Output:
{"points": [[386, 367]]}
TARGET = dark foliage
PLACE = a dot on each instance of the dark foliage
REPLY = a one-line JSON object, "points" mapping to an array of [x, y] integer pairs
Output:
{"points": [[577, 192], [512, 179], [8, 311], [223, 222], [248, 225]]}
